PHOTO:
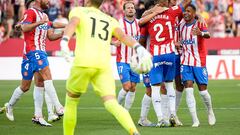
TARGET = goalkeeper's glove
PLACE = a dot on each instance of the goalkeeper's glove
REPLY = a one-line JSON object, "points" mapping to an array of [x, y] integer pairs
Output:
{"points": [[145, 58], [65, 49]]}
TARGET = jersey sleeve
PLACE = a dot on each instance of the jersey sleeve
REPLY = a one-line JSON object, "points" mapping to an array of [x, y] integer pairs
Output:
{"points": [[75, 12], [29, 17], [176, 11], [143, 31], [115, 24]]}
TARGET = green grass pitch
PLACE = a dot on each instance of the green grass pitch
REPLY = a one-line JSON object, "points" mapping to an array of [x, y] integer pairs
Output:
{"points": [[93, 119]]}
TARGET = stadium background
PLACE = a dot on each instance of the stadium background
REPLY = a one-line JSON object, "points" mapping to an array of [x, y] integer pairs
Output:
{"points": [[223, 63]]}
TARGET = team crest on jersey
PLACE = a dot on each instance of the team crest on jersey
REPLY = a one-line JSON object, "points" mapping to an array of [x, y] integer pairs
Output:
{"points": [[25, 73], [40, 62], [204, 71]]}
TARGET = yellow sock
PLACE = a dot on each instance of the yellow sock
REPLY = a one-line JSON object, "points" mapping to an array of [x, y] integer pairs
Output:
{"points": [[70, 115], [122, 115]]}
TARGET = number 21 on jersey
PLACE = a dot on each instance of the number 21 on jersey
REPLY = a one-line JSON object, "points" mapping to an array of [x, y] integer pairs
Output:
{"points": [[159, 29]]}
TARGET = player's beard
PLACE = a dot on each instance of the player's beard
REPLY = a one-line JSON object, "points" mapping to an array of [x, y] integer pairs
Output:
{"points": [[130, 15], [187, 17]]}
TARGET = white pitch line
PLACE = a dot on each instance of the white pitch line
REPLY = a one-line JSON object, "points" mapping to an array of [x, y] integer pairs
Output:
{"points": [[136, 108]]}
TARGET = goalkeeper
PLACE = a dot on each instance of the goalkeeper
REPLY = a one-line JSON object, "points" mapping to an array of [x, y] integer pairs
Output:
{"points": [[94, 31]]}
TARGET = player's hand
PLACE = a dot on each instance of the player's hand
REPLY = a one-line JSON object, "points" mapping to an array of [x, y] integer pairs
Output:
{"points": [[65, 50], [196, 31], [157, 9], [116, 43], [44, 20], [178, 46], [202, 21], [145, 58], [18, 27]]}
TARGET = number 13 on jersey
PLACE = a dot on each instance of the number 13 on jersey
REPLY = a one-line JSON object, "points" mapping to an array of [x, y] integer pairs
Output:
{"points": [[103, 29]]}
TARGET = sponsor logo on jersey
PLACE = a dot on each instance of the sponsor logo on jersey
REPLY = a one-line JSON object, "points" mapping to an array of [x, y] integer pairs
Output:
{"points": [[163, 63], [204, 72], [188, 42], [44, 27]]}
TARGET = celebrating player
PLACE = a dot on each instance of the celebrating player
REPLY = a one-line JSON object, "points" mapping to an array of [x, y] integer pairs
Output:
{"points": [[94, 31], [36, 28], [129, 79], [38, 81], [160, 29], [193, 60]]}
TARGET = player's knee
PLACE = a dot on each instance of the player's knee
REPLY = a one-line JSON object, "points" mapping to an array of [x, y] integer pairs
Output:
{"points": [[202, 87], [127, 86], [39, 84], [110, 104], [188, 84], [132, 89], [24, 88], [148, 91], [163, 90]]}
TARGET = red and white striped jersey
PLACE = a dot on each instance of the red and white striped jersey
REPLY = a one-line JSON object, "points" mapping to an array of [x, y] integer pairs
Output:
{"points": [[124, 52], [161, 31], [194, 50], [35, 39], [177, 33]]}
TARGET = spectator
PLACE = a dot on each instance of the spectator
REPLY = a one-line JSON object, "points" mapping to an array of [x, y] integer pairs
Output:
{"points": [[52, 12], [209, 5], [18, 8], [216, 23], [230, 26], [112, 8], [202, 12], [60, 18], [236, 15], [2, 32], [140, 9], [222, 5], [9, 17]]}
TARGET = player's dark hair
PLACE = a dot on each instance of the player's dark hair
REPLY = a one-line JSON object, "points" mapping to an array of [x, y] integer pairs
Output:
{"points": [[127, 2], [159, 1], [193, 7], [97, 3], [148, 4], [28, 3]]}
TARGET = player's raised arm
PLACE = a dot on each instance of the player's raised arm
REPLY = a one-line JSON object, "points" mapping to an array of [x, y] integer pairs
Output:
{"points": [[52, 36], [127, 40], [59, 25], [198, 32], [71, 27], [143, 55], [149, 14], [27, 25], [185, 3], [68, 33]]}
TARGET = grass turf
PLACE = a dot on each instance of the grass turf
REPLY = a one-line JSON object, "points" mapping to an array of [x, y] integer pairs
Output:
{"points": [[94, 120]]}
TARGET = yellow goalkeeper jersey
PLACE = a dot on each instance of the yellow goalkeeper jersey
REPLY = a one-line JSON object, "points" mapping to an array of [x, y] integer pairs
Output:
{"points": [[93, 37]]}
